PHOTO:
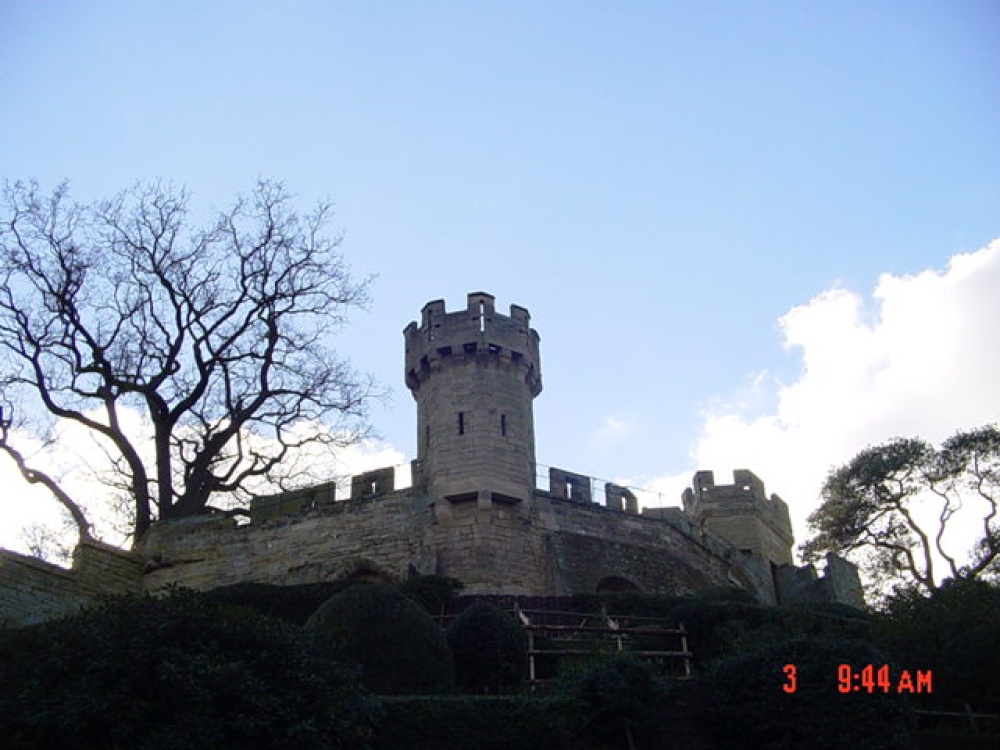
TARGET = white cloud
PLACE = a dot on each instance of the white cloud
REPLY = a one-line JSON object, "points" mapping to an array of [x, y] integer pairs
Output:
{"points": [[920, 358]]}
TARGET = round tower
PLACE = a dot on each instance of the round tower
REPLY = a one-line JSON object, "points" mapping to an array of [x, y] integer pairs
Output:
{"points": [[474, 374]]}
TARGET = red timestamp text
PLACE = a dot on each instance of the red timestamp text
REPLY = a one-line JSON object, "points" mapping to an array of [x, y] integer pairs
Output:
{"points": [[870, 679]]}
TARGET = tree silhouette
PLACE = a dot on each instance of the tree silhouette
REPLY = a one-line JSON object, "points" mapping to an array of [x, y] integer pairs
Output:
{"points": [[898, 501], [217, 336]]}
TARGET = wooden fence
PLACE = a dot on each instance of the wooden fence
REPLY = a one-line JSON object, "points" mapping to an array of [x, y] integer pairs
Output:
{"points": [[581, 634]]}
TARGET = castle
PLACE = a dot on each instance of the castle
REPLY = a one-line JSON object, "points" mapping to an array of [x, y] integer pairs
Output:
{"points": [[472, 510]]}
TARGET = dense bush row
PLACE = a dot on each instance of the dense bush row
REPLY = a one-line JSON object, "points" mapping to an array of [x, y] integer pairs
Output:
{"points": [[490, 650], [954, 634], [747, 704], [177, 672], [481, 722], [725, 622], [195, 671]]}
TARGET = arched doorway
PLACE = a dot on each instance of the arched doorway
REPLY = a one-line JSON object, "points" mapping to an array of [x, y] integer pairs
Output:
{"points": [[616, 585]]}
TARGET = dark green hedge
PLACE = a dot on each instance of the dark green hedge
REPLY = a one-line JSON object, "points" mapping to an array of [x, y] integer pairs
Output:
{"points": [[954, 634], [177, 672], [619, 702], [744, 704], [724, 624], [436, 594], [475, 723], [401, 650], [294, 604], [490, 650]]}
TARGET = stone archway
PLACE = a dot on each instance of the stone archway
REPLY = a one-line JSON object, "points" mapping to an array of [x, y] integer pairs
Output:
{"points": [[362, 570], [616, 585]]}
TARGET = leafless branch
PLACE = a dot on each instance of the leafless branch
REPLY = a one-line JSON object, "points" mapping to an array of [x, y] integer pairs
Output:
{"points": [[214, 334]]}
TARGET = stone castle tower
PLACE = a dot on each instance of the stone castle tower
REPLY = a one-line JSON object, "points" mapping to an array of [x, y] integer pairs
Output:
{"points": [[472, 512], [743, 514], [474, 374]]}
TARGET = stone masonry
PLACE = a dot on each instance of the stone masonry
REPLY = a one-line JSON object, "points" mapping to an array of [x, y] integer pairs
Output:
{"points": [[473, 510]]}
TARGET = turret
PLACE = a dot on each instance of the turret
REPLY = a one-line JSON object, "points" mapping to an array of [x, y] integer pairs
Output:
{"points": [[474, 374], [742, 514]]}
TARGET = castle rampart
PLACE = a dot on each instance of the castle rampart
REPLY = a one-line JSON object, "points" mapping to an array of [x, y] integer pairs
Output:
{"points": [[32, 590], [472, 511], [563, 547]]}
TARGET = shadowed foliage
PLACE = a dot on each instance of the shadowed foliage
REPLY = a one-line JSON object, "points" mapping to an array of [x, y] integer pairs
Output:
{"points": [[177, 672], [953, 632], [747, 707], [399, 647], [620, 702], [490, 649], [895, 506]]}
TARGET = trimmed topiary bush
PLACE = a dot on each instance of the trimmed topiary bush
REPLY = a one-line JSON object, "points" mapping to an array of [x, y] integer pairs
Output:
{"points": [[436, 594], [620, 701], [747, 706], [399, 647], [177, 672], [294, 604], [490, 649]]}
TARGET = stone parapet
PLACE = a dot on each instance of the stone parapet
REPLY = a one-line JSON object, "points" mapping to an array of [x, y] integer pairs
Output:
{"points": [[32, 590]]}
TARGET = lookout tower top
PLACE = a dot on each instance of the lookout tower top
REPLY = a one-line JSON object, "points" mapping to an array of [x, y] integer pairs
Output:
{"points": [[474, 374], [479, 332]]}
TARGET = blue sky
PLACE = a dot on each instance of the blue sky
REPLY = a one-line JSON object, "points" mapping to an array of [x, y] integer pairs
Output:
{"points": [[728, 219]]}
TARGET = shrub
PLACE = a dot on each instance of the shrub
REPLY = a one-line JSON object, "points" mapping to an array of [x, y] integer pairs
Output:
{"points": [[490, 649], [480, 722], [717, 630], [747, 707], [436, 594], [293, 603], [620, 700], [953, 633], [177, 672], [399, 647]]}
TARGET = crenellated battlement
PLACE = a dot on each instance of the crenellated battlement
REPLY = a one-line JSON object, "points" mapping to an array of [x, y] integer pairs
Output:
{"points": [[364, 486], [743, 513], [747, 489], [469, 506], [479, 333]]}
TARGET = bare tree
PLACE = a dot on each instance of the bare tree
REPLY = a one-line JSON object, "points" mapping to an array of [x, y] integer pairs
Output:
{"points": [[219, 337]]}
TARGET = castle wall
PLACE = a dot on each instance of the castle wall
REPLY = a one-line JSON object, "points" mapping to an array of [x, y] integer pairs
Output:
{"points": [[317, 545], [493, 549], [548, 546], [591, 543], [473, 511], [32, 590]]}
